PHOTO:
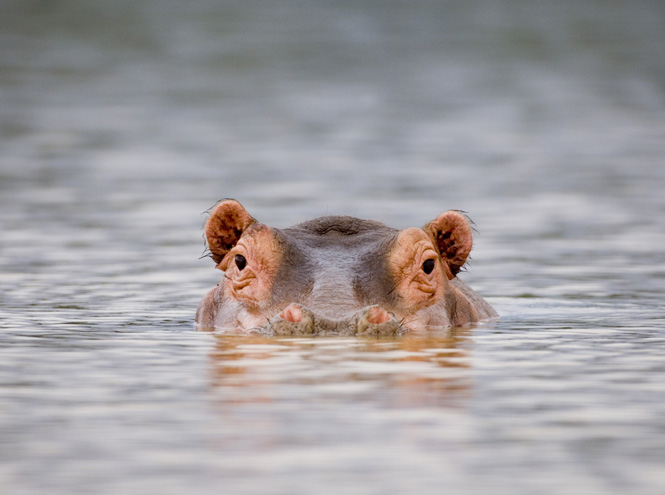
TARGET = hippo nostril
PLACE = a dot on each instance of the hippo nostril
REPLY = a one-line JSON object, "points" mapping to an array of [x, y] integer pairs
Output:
{"points": [[294, 320], [376, 321], [378, 315], [292, 313]]}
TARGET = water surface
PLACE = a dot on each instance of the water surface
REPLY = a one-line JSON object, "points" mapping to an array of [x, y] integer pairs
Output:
{"points": [[122, 122]]}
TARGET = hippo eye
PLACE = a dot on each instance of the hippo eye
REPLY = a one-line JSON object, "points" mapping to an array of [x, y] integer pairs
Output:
{"points": [[241, 262], [428, 266]]}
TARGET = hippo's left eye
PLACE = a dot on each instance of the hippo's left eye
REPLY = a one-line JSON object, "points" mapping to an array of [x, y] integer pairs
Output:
{"points": [[428, 266]]}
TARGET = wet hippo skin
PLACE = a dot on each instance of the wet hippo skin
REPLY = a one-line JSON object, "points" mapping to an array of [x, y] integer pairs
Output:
{"points": [[338, 275]]}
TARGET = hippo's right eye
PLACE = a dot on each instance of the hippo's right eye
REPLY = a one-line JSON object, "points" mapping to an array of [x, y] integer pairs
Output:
{"points": [[241, 262]]}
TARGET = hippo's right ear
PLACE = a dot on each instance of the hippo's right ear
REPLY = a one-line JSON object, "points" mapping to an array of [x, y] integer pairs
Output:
{"points": [[227, 221]]}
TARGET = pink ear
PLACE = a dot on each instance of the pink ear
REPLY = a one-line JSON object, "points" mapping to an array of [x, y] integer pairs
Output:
{"points": [[226, 223], [451, 234]]}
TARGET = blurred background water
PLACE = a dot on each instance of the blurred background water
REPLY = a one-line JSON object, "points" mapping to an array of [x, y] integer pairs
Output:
{"points": [[121, 122]]}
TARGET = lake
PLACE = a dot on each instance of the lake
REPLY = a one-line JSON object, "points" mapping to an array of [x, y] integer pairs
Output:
{"points": [[122, 122]]}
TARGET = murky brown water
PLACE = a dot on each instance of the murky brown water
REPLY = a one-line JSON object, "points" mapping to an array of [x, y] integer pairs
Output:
{"points": [[121, 122]]}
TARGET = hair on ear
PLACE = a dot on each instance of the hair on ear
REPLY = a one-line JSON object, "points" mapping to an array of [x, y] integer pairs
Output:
{"points": [[452, 236], [227, 221]]}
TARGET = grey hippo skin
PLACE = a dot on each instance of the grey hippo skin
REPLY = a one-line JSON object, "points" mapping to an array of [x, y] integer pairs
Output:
{"points": [[338, 275]]}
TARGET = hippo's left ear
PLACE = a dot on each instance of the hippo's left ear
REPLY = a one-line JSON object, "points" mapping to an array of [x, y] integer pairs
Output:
{"points": [[226, 223], [451, 234]]}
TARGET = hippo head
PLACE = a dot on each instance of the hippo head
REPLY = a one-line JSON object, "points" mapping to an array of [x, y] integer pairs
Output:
{"points": [[337, 275]]}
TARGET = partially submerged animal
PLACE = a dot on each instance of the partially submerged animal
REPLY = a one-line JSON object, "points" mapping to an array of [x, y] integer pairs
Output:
{"points": [[338, 275]]}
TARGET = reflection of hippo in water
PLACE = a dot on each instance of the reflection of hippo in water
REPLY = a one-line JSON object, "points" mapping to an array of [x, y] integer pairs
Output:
{"points": [[338, 275]]}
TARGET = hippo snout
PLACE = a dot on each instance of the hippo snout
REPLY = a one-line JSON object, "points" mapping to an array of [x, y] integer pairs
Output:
{"points": [[297, 320]]}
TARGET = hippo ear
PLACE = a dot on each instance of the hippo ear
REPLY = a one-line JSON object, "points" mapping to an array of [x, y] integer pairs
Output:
{"points": [[451, 234], [227, 221]]}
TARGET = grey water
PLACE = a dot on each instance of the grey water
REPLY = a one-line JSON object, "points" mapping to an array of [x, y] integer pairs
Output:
{"points": [[122, 122]]}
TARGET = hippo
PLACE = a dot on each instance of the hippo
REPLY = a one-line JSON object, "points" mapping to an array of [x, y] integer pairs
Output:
{"points": [[337, 275]]}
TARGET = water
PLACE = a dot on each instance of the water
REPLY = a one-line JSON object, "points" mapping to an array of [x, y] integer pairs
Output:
{"points": [[121, 122]]}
